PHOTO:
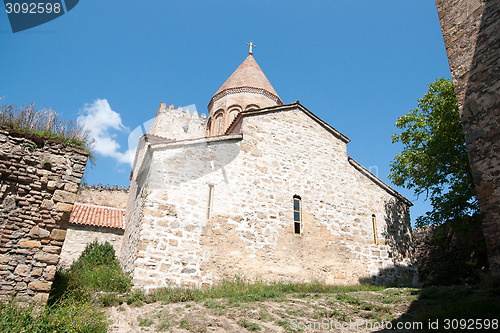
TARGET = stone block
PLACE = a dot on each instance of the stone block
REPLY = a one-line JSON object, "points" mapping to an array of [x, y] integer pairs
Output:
{"points": [[37, 232], [48, 258], [71, 187], [64, 196], [30, 244], [50, 273], [21, 286], [51, 185], [52, 249], [41, 298], [22, 270], [58, 234], [47, 204], [4, 259], [64, 207], [36, 272]]}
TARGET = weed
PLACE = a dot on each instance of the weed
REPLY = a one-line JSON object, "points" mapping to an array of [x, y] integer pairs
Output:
{"points": [[346, 298], [69, 315], [185, 324], [44, 123], [249, 325], [135, 298], [285, 324], [145, 321], [163, 325], [265, 316], [210, 304]]}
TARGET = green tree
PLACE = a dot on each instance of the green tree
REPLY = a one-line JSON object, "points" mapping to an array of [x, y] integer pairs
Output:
{"points": [[434, 159]]}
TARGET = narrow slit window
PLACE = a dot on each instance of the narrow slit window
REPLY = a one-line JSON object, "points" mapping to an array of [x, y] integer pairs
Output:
{"points": [[297, 215], [374, 222], [219, 125], [210, 201]]}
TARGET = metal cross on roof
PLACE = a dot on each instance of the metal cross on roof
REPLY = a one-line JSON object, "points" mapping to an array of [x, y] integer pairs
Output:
{"points": [[251, 45]]}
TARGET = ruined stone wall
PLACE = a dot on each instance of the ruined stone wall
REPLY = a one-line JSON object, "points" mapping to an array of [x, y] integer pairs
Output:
{"points": [[470, 30], [251, 231], [38, 183], [451, 253], [78, 236], [108, 196]]}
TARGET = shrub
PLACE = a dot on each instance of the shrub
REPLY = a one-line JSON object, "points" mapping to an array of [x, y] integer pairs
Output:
{"points": [[98, 269]]}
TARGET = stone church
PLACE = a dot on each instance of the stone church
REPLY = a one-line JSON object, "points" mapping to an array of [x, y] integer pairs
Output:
{"points": [[261, 190]]}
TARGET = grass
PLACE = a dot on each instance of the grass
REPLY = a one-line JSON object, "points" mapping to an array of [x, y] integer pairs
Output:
{"points": [[82, 315], [249, 325], [240, 291], [145, 322], [95, 281], [45, 123]]}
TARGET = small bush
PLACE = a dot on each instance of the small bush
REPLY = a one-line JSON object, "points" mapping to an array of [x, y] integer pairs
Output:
{"points": [[98, 269]]}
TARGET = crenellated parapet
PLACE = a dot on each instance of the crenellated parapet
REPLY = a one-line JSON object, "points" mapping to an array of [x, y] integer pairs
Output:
{"points": [[178, 123], [106, 187], [103, 195]]}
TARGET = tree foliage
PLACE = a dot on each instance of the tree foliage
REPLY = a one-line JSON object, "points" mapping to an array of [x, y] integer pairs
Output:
{"points": [[434, 159]]}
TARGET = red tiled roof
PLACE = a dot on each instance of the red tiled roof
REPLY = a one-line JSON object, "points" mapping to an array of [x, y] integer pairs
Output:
{"points": [[97, 216], [248, 74]]}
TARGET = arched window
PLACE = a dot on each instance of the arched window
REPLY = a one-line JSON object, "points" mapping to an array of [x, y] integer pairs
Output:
{"points": [[218, 123], [374, 223], [252, 107], [233, 113], [297, 215]]}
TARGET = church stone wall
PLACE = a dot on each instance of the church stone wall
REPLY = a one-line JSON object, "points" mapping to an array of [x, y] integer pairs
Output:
{"points": [[471, 35], [39, 179], [251, 233]]}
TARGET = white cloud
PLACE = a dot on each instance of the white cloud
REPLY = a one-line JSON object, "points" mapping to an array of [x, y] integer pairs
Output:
{"points": [[101, 120]]}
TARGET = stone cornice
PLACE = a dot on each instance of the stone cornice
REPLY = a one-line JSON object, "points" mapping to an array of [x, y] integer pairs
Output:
{"points": [[240, 90]]}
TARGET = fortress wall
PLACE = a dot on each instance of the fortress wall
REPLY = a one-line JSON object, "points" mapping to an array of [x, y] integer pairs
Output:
{"points": [[470, 30], [109, 196], [39, 179]]}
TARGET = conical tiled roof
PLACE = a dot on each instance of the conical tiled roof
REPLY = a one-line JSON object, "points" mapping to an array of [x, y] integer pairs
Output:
{"points": [[248, 74]]}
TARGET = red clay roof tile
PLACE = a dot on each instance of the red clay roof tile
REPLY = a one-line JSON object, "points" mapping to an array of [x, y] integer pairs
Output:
{"points": [[97, 216]]}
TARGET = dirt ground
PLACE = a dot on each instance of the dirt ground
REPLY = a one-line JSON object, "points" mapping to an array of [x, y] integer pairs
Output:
{"points": [[359, 311]]}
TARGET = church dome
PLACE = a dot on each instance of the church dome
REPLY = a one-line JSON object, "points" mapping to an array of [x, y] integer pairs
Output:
{"points": [[246, 89]]}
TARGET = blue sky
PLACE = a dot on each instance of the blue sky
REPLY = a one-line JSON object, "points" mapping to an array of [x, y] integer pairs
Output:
{"points": [[356, 64]]}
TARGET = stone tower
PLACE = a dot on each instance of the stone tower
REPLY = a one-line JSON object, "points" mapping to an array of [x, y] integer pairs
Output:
{"points": [[246, 89], [178, 124]]}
